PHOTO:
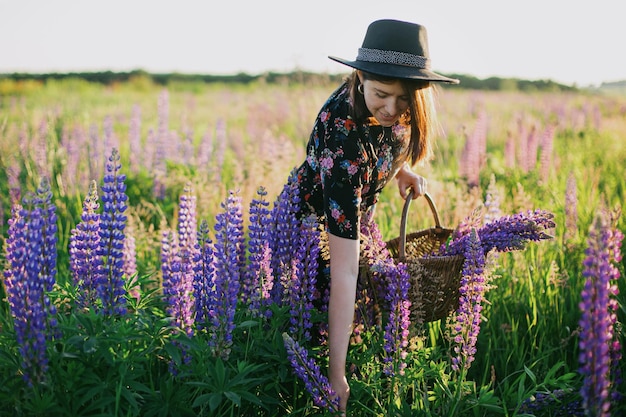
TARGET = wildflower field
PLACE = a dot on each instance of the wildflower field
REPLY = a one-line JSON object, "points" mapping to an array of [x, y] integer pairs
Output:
{"points": [[151, 265]]}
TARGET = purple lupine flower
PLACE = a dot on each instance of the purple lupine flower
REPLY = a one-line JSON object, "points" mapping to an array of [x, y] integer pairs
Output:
{"points": [[532, 146], [509, 150], [473, 156], [175, 293], [112, 223], [30, 274], [134, 139], [545, 158], [285, 230], [180, 255], [373, 249], [228, 247], [49, 248], [205, 152], [160, 140], [506, 233], [397, 327], [85, 263], [130, 266], [599, 342], [24, 292], [300, 291], [221, 140], [187, 223], [257, 279], [204, 277], [467, 319], [305, 368]]}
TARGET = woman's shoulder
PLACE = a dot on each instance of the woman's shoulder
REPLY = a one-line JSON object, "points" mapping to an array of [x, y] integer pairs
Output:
{"points": [[339, 102]]}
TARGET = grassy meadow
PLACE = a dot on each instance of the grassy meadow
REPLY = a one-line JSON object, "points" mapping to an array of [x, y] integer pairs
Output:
{"points": [[497, 153]]}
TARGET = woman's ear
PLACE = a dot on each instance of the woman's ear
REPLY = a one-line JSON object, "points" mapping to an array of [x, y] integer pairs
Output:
{"points": [[359, 74]]}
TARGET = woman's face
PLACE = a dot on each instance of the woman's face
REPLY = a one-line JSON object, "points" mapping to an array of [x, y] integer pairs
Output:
{"points": [[386, 101]]}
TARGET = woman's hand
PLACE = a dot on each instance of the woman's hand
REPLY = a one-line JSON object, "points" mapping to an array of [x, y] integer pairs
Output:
{"points": [[342, 390], [408, 179]]}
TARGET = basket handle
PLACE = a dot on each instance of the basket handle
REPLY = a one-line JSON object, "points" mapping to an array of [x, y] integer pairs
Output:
{"points": [[405, 212]]}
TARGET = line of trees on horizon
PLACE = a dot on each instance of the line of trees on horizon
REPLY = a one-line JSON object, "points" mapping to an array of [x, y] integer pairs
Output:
{"points": [[111, 77]]}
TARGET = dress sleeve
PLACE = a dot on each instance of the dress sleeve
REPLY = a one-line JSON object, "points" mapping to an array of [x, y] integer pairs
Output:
{"points": [[341, 162]]}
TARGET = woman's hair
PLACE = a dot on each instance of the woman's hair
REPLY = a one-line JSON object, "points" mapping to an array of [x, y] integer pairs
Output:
{"points": [[421, 115]]}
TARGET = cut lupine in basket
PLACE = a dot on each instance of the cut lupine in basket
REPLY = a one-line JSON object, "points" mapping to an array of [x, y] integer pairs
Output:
{"points": [[506, 233]]}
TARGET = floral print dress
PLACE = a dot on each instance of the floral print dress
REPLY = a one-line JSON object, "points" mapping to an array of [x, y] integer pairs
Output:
{"points": [[347, 165]]}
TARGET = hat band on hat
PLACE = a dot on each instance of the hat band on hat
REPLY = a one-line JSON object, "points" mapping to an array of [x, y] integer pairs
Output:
{"points": [[392, 57]]}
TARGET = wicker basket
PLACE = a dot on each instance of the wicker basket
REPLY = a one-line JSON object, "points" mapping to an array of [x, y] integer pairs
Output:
{"points": [[434, 291]]}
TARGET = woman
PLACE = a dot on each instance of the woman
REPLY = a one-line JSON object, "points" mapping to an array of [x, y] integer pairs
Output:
{"points": [[372, 129]]}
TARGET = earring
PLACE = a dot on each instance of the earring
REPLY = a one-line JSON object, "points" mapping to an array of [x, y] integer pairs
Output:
{"points": [[360, 89]]}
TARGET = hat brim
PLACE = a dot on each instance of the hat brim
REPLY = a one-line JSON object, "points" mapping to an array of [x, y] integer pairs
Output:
{"points": [[396, 71]]}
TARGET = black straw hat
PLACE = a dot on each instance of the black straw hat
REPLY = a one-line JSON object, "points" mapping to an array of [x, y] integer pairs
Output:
{"points": [[396, 49]]}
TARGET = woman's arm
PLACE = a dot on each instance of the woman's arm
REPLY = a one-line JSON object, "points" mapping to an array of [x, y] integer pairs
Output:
{"points": [[344, 267], [408, 179]]}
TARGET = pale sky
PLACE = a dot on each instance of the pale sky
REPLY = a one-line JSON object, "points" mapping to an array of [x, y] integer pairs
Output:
{"points": [[571, 42]]}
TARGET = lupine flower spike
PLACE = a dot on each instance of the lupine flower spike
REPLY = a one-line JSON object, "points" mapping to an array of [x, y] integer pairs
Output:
{"points": [[112, 223], [30, 274], [466, 325], [309, 372], [85, 263], [301, 288], [258, 279], [600, 350], [224, 297], [507, 233]]}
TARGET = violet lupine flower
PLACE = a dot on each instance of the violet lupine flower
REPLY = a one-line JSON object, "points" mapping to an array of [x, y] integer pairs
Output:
{"points": [[178, 274], [30, 274], [134, 139], [506, 233], [49, 248], [204, 277], [112, 223], [175, 293], [309, 372], [397, 327], [258, 279], [228, 247], [130, 266], [285, 230], [187, 223], [23, 291], [373, 249], [221, 140], [300, 291], [545, 159], [85, 263], [474, 151], [467, 319], [599, 342], [179, 269]]}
